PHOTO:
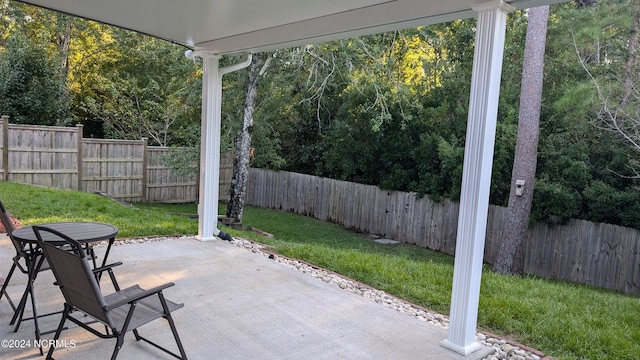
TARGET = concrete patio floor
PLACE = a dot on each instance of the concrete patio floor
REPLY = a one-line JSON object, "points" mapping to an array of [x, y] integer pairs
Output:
{"points": [[237, 305]]}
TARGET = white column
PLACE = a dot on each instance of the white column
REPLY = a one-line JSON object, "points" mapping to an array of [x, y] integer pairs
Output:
{"points": [[210, 140], [476, 176], [209, 148]]}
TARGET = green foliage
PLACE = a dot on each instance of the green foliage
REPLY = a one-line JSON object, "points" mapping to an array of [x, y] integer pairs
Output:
{"points": [[31, 85], [554, 199], [439, 166], [602, 201], [267, 148], [506, 134], [183, 160], [148, 90]]}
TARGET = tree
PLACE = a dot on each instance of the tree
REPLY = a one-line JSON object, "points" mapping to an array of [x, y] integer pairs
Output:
{"points": [[235, 204], [31, 85], [618, 91], [510, 259], [144, 90]]}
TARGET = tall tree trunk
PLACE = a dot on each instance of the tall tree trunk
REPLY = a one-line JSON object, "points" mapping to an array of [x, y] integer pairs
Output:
{"points": [[243, 142], [64, 38], [510, 259]]}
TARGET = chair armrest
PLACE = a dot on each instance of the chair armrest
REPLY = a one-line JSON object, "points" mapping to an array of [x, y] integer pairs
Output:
{"points": [[106, 267], [141, 295], [97, 272]]}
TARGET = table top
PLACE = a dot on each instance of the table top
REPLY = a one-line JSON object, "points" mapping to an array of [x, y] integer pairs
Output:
{"points": [[82, 232]]}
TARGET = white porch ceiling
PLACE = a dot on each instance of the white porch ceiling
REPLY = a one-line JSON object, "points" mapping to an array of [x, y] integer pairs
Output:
{"points": [[235, 26]]}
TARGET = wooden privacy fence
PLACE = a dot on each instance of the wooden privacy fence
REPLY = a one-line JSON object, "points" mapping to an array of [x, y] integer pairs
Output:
{"points": [[128, 170], [601, 255]]}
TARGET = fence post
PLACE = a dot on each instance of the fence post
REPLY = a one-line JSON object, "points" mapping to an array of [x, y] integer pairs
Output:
{"points": [[80, 155], [145, 158], [5, 146]]}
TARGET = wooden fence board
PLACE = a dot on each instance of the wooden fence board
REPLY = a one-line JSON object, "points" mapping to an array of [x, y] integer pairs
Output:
{"points": [[633, 264], [420, 228]]}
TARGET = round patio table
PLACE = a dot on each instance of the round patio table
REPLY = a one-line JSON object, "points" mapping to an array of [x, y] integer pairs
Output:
{"points": [[82, 232], [85, 233]]}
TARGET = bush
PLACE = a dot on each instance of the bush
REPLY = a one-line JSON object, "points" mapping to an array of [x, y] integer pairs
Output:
{"points": [[554, 199], [603, 203]]}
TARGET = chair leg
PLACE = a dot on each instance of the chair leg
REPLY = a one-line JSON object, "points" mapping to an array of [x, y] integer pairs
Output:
{"points": [[32, 272], [119, 342], [120, 334], [19, 313], [23, 304], [35, 319], [67, 310], [175, 335], [3, 291], [172, 325]]}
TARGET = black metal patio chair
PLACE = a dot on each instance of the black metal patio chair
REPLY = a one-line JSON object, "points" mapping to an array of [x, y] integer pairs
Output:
{"points": [[122, 311], [30, 261]]}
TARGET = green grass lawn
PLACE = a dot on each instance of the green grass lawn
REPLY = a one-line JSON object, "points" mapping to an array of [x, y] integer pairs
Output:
{"points": [[36, 205], [566, 321]]}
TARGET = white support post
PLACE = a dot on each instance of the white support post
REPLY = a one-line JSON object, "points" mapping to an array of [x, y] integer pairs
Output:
{"points": [[210, 140], [476, 176], [209, 148]]}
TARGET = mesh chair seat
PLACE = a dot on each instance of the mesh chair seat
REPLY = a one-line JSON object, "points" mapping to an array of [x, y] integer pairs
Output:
{"points": [[147, 309]]}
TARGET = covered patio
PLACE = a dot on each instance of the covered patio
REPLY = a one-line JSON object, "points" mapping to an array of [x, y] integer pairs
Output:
{"points": [[238, 305], [215, 28]]}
